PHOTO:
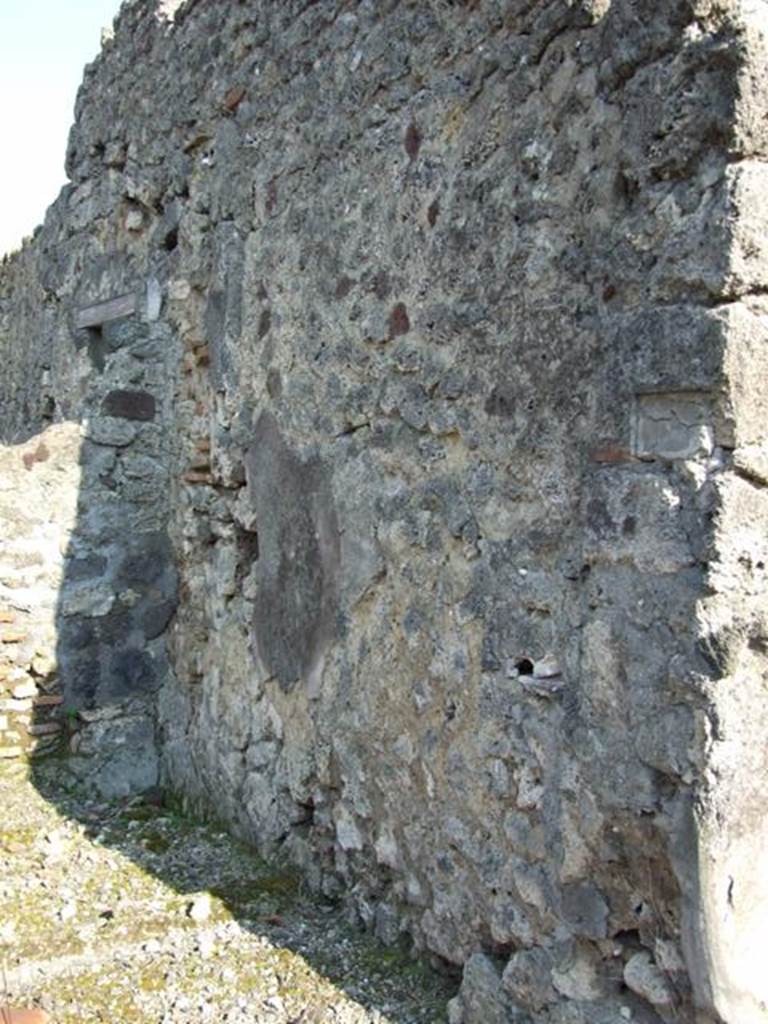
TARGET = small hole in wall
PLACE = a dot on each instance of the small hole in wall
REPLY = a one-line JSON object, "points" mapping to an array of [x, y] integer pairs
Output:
{"points": [[96, 345], [525, 667], [247, 551], [501, 950], [49, 408], [171, 240], [305, 813]]}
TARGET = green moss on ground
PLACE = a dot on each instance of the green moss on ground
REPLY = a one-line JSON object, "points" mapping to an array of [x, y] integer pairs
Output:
{"points": [[98, 894]]}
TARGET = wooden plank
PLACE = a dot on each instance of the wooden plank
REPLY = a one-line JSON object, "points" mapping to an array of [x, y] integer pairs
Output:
{"points": [[103, 312]]}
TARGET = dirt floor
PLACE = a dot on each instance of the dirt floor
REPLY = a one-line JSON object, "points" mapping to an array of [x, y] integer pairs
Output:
{"points": [[128, 911]]}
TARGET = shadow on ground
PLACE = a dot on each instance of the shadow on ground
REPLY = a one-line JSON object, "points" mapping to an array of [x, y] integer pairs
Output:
{"points": [[127, 910]]}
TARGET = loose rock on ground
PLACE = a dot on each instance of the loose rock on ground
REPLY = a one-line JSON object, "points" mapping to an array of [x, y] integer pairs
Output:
{"points": [[101, 920]]}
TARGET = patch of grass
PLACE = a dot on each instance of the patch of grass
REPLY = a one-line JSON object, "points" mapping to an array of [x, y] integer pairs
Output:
{"points": [[141, 812], [280, 889], [155, 842]]}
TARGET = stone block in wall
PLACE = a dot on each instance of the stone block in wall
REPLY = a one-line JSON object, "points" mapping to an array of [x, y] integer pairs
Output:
{"points": [[85, 568], [634, 515], [298, 566], [745, 371], [80, 674], [748, 180], [145, 560], [119, 334], [129, 404], [132, 672], [527, 979], [111, 431], [155, 618], [104, 312], [117, 755], [482, 999], [673, 425], [154, 299], [88, 599], [224, 308]]}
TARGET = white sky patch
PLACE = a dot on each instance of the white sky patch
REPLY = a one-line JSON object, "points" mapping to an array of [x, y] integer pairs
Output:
{"points": [[44, 46]]}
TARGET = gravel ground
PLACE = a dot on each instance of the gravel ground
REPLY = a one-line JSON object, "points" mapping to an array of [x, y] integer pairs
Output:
{"points": [[128, 912]]}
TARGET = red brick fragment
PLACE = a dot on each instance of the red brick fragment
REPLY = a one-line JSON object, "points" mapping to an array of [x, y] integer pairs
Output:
{"points": [[17, 1015], [233, 98], [40, 454], [398, 320], [611, 454], [270, 202], [412, 140], [47, 700]]}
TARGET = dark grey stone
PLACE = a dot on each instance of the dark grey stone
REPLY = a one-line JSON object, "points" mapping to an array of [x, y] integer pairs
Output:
{"points": [[129, 762], [149, 556], [223, 311], [120, 333], [585, 910], [85, 568], [80, 678], [129, 405], [482, 997], [299, 555], [76, 634], [155, 618], [130, 673], [114, 627]]}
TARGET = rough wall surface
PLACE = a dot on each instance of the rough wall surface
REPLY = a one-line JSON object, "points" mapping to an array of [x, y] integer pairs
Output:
{"points": [[421, 349]]}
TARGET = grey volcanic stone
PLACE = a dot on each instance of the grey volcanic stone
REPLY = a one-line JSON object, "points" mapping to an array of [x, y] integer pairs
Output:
{"points": [[421, 508], [482, 998], [155, 618], [147, 562], [125, 756], [298, 566], [86, 568], [131, 673], [129, 405], [527, 980], [109, 430], [585, 909]]}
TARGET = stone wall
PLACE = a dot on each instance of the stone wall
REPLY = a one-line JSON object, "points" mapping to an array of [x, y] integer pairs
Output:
{"points": [[419, 352], [39, 485]]}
